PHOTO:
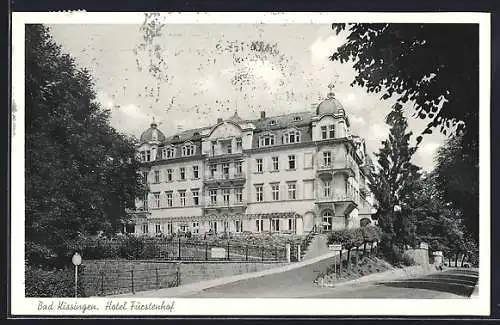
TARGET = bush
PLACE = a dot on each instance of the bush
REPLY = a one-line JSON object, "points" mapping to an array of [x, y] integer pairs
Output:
{"points": [[39, 256], [51, 283], [407, 260], [132, 248]]}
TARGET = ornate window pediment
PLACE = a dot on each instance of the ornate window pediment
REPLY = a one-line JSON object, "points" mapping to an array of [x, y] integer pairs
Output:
{"points": [[291, 136], [188, 149], [168, 152], [267, 139]]}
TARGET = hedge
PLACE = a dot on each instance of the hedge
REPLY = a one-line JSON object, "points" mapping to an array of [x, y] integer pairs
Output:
{"points": [[51, 283]]}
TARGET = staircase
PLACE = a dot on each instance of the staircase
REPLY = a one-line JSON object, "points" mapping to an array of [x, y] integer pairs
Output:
{"points": [[317, 247]]}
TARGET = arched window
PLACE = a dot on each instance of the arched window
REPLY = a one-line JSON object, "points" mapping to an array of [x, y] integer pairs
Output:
{"points": [[291, 136], [188, 150], [327, 220], [266, 140]]}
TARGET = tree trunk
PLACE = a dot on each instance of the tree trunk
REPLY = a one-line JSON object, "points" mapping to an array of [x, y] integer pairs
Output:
{"points": [[456, 260], [463, 260], [349, 257]]}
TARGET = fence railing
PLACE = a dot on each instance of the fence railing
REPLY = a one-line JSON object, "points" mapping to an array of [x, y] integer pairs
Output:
{"points": [[183, 249], [122, 281]]}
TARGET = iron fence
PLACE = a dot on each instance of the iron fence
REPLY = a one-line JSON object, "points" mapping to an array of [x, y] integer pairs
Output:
{"points": [[121, 281]]}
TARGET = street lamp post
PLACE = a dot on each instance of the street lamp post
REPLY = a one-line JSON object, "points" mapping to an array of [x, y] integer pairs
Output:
{"points": [[77, 260]]}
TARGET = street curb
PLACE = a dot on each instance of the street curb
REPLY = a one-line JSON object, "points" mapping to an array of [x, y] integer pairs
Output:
{"points": [[199, 286]]}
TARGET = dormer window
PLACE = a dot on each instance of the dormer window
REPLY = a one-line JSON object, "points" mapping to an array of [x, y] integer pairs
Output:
{"points": [[291, 136], [175, 137], [272, 122], [146, 155], [297, 118], [188, 150], [328, 131], [267, 140], [168, 152]]}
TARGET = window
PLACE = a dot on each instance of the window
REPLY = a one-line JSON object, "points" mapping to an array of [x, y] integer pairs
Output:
{"points": [[239, 168], [276, 165], [156, 200], [145, 228], [259, 165], [259, 223], [226, 226], [196, 197], [260, 193], [328, 131], [266, 140], [182, 195], [327, 188], [144, 177], [331, 131], [157, 176], [291, 136], [169, 175], [170, 228], [229, 148], [327, 220], [297, 118], [327, 158], [188, 150], [158, 228], [238, 225], [213, 197], [213, 146], [308, 160], [170, 199], [167, 153], [143, 155], [225, 196], [146, 155], [291, 162], [292, 191], [183, 173], [275, 189], [213, 226], [272, 122], [196, 227], [324, 134], [196, 174], [290, 224], [239, 144], [213, 169], [275, 224], [239, 194], [225, 170]]}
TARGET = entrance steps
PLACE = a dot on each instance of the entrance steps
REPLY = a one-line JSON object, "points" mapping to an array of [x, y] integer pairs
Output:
{"points": [[317, 247]]}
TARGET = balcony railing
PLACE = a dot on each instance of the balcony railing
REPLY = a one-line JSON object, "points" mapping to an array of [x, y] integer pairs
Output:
{"points": [[347, 163], [225, 176], [339, 197], [225, 204]]}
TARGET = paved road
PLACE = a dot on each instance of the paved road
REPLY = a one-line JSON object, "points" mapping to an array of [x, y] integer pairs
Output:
{"points": [[457, 283]]}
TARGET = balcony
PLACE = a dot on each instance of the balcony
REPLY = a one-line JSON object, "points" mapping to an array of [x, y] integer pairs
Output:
{"points": [[220, 154], [348, 165], [225, 177], [231, 206], [339, 197]]}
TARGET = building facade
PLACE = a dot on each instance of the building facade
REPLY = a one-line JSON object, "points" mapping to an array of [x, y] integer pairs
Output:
{"points": [[285, 174]]}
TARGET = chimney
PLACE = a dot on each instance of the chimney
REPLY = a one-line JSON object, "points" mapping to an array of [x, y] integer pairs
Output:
{"points": [[263, 115], [219, 120]]}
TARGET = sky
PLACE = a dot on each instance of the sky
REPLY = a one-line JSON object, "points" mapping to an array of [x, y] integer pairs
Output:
{"points": [[187, 76]]}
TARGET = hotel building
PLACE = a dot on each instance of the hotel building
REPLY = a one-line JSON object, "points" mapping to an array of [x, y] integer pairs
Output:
{"points": [[281, 174]]}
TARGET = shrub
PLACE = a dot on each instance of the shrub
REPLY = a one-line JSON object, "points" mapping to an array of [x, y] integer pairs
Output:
{"points": [[407, 260], [132, 248], [39, 256], [51, 283]]}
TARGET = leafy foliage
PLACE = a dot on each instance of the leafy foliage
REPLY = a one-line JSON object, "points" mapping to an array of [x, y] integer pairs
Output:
{"points": [[80, 172], [393, 183], [51, 283], [434, 66]]}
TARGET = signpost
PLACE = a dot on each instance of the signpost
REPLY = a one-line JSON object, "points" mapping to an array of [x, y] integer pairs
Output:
{"points": [[77, 260], [335, 248], [218, 252]]}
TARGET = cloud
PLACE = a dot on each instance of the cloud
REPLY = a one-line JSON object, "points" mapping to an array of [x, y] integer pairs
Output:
{"points": [[323, 47]]}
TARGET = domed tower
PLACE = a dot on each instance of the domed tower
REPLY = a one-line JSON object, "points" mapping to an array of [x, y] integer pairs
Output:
{"points": [[153, 134], [235, 118], [149, 142], [330, 105]]}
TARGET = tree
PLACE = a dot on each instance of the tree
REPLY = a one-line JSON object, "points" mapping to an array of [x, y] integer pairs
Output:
{"points": [[393, 183], [435, 66], [462, 193], [81, 174]]}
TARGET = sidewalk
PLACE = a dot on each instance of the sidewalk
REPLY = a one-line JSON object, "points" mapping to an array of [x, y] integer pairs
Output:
{"points": [[199, 286]]}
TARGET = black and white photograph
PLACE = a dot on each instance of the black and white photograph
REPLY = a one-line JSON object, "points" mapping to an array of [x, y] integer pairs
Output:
{"points": [[310, 159]]}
